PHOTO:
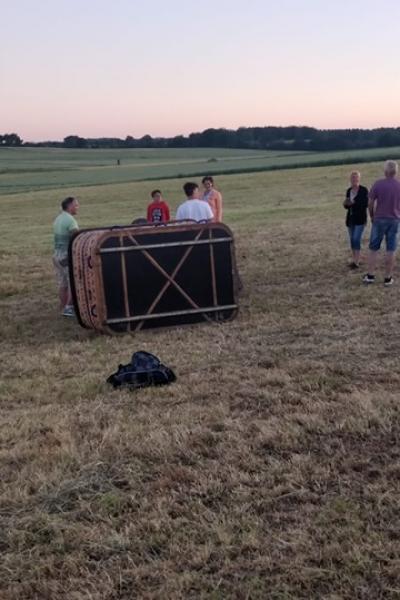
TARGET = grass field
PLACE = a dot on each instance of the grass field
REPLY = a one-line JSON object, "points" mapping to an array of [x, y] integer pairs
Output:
{"points": [[30, 169], [269, 470]]}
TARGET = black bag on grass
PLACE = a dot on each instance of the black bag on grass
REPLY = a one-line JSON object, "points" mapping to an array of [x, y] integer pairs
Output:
{"points": [[144, 369]]}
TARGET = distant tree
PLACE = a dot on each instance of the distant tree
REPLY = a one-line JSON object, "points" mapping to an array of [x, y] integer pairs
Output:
{"points": [[194, 140], [145, 142], [10, 139], [130, 142], [74, 141], [179, 141], [244, 137], [389, 137]]}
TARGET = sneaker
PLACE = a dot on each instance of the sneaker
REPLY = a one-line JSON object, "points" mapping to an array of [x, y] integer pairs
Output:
{"points": [[388, 281], [68, 312], [369, 278], [353, 266]]}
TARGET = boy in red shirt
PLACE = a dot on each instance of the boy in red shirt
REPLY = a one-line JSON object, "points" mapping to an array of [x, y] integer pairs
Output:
{"points": [[158, 210]]}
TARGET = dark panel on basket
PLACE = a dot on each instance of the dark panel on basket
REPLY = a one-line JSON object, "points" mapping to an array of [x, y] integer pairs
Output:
{"points": [[195, 275], [113, 290], [223, 273], [142, 298]]}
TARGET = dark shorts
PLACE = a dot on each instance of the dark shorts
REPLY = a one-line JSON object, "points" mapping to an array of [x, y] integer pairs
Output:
{"points": [[384, 228]]}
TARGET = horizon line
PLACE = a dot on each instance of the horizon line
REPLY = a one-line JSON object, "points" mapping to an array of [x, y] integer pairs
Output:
{"points": [[187, 135]]}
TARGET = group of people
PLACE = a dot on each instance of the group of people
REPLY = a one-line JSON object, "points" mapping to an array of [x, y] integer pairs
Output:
{"points": [[198, 206], [382, 202]]}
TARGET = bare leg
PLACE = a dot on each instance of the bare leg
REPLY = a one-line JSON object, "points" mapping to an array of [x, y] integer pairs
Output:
{"points": [[64, 294], [356, 256], [372, 258], [69, 297], [389, 263]]}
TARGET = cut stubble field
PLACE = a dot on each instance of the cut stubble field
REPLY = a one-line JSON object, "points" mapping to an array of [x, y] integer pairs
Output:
{"points": [[270, 469]]}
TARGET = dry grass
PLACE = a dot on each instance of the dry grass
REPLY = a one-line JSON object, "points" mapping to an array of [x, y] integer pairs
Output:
{"points": [[271, 469]]}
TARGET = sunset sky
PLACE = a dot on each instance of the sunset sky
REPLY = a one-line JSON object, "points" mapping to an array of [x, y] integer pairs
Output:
{"points": [[130, 67]]}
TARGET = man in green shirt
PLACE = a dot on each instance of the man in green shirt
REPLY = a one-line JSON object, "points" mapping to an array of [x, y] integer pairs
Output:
{"points": [[64, 226]]}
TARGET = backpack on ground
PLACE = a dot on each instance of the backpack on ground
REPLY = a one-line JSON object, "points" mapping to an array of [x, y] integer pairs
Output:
{"points": [[144, 370]]}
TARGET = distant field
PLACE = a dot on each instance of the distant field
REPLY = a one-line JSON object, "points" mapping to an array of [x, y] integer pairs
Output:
{"points": [[30, 169], [269, 471]]}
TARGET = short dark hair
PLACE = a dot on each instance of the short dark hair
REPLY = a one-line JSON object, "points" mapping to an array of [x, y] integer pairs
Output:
{"points": [[65, 204], [189, 188], [154, 192], [207, 178]]}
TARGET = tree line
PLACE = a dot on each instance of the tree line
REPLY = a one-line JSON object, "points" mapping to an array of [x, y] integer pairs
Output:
{"points": [[250, 138]]}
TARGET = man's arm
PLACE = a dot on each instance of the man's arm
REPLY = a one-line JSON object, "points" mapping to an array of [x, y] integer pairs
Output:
{"points": [[73, 229], [371, 203], [371, 207]]}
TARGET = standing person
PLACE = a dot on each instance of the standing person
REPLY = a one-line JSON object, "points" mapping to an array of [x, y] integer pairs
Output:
{"points": [[193, 208], [64, 226], [356, 204], [384, 210], [213, 197], [158, 209]]}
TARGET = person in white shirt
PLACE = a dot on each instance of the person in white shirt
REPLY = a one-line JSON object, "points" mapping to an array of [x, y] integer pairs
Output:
{"points": [[193, 208]]}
